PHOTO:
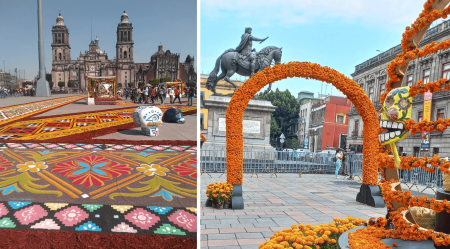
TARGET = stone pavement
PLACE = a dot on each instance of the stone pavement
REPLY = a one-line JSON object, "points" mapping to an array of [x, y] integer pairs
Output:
{"points": [[274, 204]]}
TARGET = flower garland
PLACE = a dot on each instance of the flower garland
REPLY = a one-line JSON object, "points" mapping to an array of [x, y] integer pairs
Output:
{"points": [[307, 237], [202, 137], [410, 51], [408, 163], [354, 93], [425, 125]]}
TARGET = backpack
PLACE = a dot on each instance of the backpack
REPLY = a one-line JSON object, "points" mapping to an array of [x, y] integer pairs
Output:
{"points": [[334, 159]]}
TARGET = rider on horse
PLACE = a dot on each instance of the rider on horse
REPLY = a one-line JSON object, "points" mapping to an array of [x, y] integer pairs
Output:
{"points": [[245, 48]]}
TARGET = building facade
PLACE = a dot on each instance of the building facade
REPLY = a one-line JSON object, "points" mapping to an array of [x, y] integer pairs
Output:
{"points": [[328, 121], [94, 62], [371, 76]]}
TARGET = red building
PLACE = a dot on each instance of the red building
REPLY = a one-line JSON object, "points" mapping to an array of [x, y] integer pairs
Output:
{"points": [[328, 121]]}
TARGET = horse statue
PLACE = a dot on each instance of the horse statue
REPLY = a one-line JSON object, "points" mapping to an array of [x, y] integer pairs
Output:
{"points": [[230, 64]]}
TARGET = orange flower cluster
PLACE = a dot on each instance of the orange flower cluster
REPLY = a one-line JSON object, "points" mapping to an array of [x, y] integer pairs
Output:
{"points": [[308, 237], [425, 125], [240, 99], [430, 86], [219, 192], [202, 137]]}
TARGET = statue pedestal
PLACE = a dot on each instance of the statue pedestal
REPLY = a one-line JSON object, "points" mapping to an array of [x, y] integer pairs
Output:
{"points": [[256, 124]]}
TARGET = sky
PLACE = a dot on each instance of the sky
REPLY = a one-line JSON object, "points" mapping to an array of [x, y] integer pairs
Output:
{"points": [[171, 22], [336, 33]]}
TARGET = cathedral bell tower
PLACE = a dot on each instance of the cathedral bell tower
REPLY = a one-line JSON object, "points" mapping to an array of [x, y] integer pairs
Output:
{"points": [[124, 51], [60, 50]]}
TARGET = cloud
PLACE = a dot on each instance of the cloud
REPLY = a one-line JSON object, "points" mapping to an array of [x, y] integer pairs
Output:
{"points": [[382, 13]]}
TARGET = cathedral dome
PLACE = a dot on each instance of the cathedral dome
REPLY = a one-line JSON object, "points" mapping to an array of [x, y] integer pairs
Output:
{"points": [[160, 51], [124, 17], [59, 20]]}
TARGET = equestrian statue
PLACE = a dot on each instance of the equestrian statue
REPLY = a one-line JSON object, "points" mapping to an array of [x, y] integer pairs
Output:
{"points": [[243, 61]]}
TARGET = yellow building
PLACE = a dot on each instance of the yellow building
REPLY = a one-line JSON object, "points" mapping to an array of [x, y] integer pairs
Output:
{"points": [[222, 87]]}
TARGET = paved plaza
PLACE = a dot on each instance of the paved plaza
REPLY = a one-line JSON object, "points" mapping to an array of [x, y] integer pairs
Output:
{"points": [[274, 204]]}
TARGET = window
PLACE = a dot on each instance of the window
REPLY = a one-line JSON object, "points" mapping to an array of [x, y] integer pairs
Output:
{"points": [[202, 96], [445, 73], [355, 131], [426, 76], [382, 88], [201, 122], [416, 151], [59, 56], [371, 93], [125, 77], [340, 119], [409, 80], [125, 54], [420, 116], [436, 151], [125, 81], [126, 72], [400, 151], [440, 113]]}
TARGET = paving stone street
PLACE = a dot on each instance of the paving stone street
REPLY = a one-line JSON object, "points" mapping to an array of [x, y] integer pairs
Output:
{"points": [[274, 204]]}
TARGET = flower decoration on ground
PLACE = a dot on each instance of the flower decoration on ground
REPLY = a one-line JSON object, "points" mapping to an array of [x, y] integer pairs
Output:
{"points": [[152, 169], [319, 236], [31, 166], [91, 170], [189, 168], [4, 163], [219, 192]]}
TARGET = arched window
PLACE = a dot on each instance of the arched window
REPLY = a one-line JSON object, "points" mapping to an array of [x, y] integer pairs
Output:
{"points": [[120, 53], [59, 56], [125, 54]]}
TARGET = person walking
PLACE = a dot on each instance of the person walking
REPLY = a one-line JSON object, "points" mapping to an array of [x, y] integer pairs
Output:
{"points": [[153, 94], [171, 94], [191, 96], [177, 95], [146, 95], [338, 162], [162, 94]]}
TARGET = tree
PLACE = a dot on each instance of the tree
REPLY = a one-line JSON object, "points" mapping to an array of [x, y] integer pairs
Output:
{"points": [[119, 84], [154, 81], [70, 84], [165, 80], [292, 143], [50, 84], [189, 84], [287, 110], [130, 84], [141, 84], [61, 84]]}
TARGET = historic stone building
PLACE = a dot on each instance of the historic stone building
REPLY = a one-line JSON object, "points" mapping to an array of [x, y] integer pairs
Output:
{"points": [[371, 76], [328, 121], [95, 62]]}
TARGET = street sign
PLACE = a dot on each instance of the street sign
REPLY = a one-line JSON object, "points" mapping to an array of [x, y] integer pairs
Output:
{"points": [[282, 137]]}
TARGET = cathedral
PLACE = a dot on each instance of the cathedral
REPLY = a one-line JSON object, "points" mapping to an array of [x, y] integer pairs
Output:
{"points": [[95, 63]]}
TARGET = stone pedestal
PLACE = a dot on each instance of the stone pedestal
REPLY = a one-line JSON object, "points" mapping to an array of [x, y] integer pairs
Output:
{"points": [[256, 124]]}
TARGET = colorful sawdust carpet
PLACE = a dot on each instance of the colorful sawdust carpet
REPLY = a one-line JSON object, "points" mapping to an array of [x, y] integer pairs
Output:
{"points": [[62, 126], [79, 146], [11, 113], [104, 191]]}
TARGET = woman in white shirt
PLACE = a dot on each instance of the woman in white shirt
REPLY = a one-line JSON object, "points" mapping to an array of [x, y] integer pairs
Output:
{"points": [[338, 162]]}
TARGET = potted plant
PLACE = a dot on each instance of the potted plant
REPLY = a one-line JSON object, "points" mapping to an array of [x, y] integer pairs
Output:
{"points": [[220, 194]]}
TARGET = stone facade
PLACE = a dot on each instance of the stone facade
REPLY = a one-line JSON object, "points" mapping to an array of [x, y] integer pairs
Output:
{"points": [[95, 62], [371, 76], [256, 124]]}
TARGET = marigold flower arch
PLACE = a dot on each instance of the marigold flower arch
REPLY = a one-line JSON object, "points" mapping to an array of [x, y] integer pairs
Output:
{"points": [[240, 99]]}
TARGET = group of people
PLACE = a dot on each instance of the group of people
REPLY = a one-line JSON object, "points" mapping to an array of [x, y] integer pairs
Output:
{"points": [[5, 92], [144, 94], [341, 160]]}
